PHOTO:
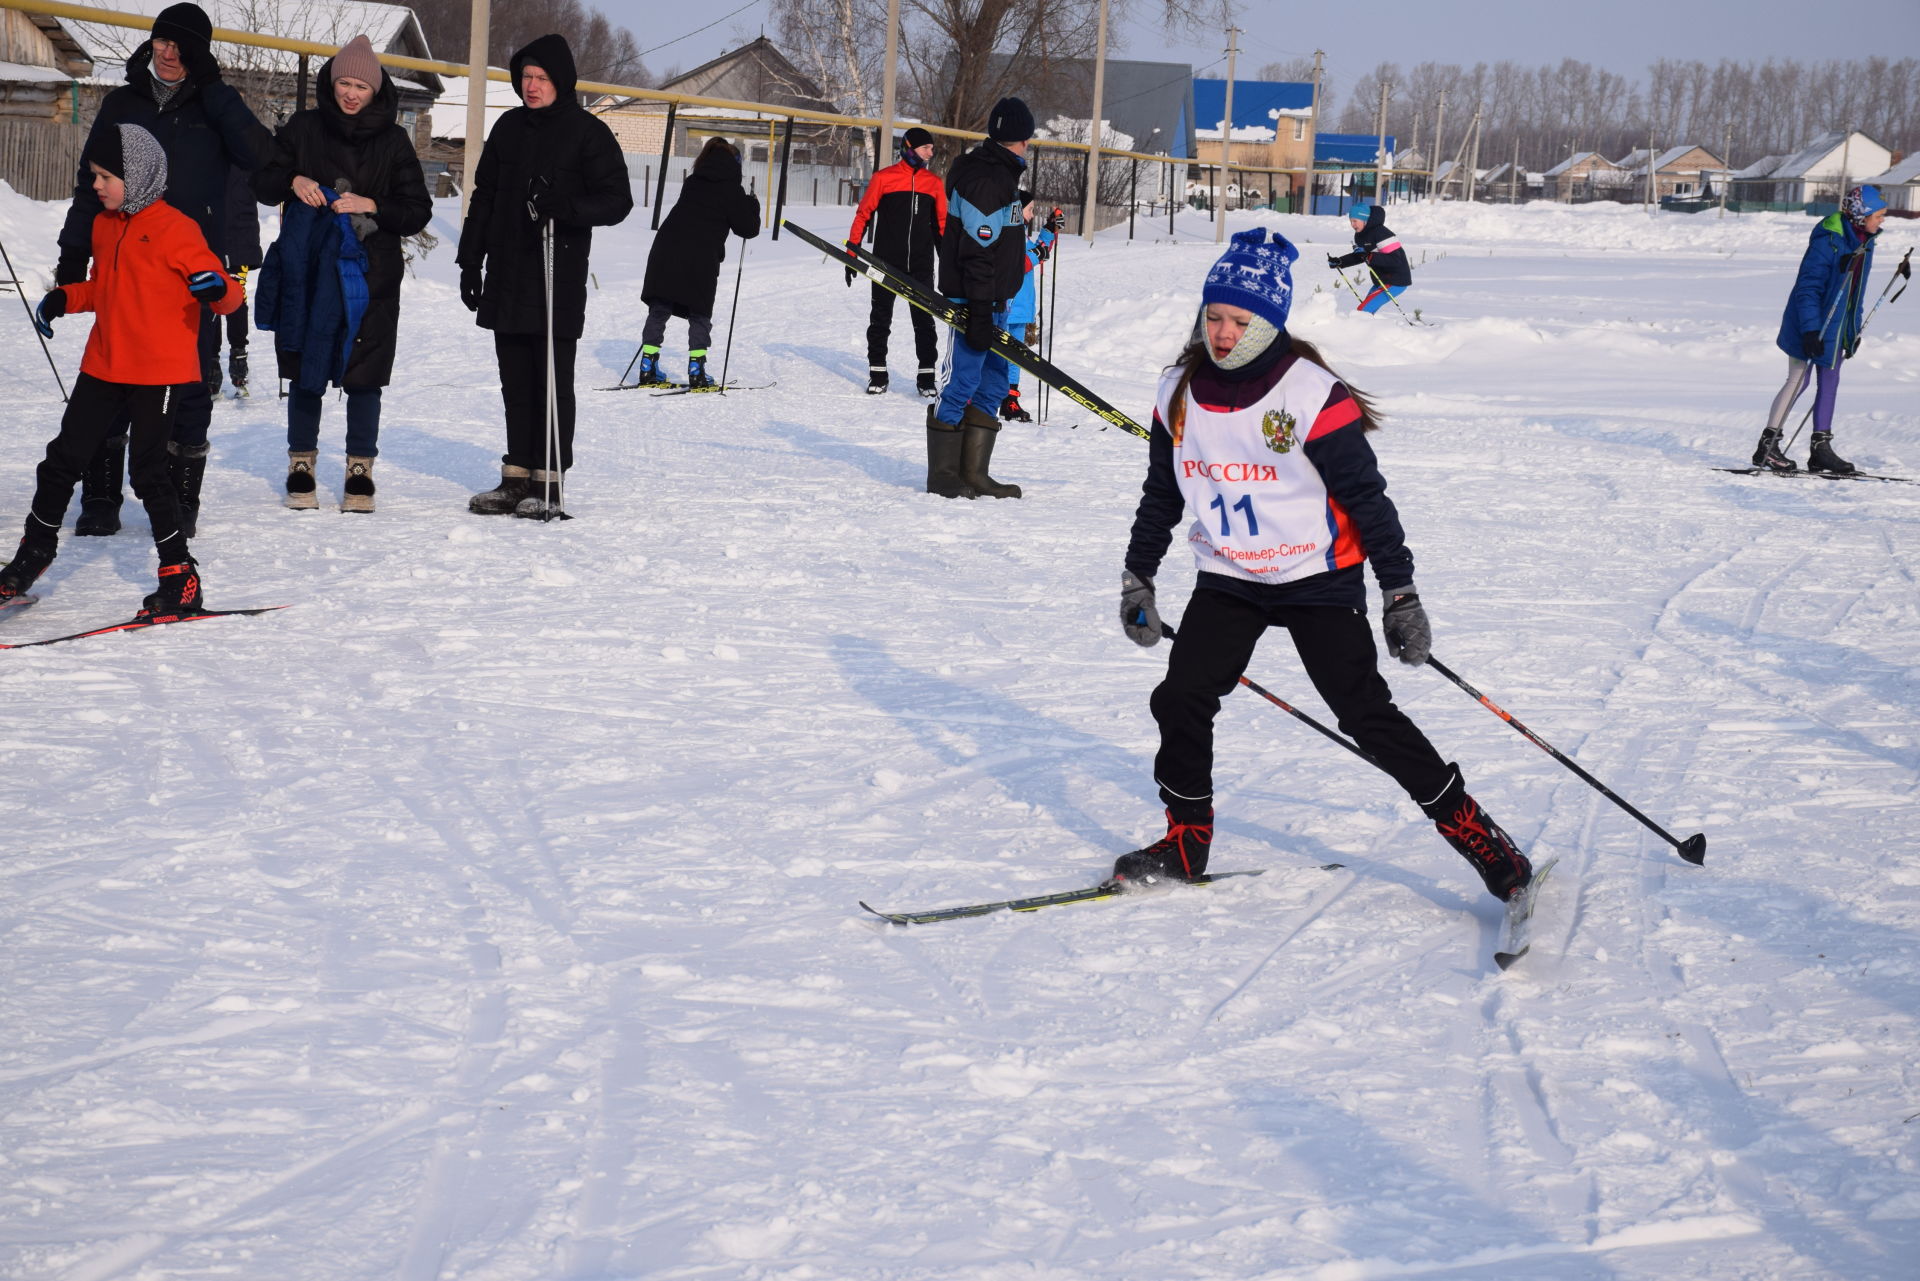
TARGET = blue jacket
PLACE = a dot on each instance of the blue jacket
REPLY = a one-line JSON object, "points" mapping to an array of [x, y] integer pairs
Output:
{"points": [[1826, 269], [313, 291], [1024, 308]]}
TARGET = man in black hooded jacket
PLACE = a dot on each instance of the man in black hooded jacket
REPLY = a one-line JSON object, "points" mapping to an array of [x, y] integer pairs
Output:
{"points": [[547, 162], [174, 92]]}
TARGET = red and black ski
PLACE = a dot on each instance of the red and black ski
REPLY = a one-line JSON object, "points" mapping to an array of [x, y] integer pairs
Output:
{"points": [[143, 621]]}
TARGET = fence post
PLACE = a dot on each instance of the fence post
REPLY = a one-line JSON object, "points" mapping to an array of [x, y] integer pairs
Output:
{"points": [[1133, 193], [666, 154], [646, 188], [780, 200]]}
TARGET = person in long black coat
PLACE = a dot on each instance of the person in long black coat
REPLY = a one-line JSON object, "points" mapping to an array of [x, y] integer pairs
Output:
{"points": [[547, 162], [683, 267], [174, 92], [351, 144]]}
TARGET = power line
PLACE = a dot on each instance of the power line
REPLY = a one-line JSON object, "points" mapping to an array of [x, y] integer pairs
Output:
{"points": [[716, 22]]}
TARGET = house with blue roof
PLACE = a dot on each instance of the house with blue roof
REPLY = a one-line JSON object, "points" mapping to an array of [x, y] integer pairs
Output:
{"points": [[1272, 129]]}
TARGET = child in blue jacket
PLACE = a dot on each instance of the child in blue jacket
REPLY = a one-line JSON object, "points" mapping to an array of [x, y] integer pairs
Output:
{"points": [[1821, 326], [1023, 313]]}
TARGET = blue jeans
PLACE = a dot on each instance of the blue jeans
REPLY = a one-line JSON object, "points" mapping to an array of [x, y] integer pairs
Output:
{"points": [[976, 377], [363, 421]]}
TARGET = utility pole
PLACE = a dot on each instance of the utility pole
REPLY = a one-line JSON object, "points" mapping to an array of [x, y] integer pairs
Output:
{"points": [[1726, 172], [1473, 157], [1090, 208], [476, 101], [1439, 131], [1846, 155], [886, 92], [1513, 175], [1226, 142], [1313, 135], [1380, 149]]}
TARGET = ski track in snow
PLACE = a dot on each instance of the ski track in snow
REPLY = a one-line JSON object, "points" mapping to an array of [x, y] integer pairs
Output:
{"points": [[491, 913]]}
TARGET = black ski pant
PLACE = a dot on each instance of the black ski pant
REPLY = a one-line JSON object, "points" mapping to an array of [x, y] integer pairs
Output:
{"points": [[1335, 644], [193, 406], [880, 325], [523, 390], [94, 412]]}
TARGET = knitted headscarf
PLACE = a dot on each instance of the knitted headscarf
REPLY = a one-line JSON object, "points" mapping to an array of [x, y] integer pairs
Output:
{"points": [[134, 156]]}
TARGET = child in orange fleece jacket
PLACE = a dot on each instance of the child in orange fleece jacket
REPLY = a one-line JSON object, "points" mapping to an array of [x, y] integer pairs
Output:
{"points": [[151, 271]]}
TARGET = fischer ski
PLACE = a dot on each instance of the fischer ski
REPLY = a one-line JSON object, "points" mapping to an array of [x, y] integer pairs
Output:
{"points": [[948, 313], [1818, 475], [1518, 930], [143, 621], [1091, 894]]}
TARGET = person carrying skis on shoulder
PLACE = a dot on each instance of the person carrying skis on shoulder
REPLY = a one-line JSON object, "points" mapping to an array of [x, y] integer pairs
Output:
{"points": [[1821, 326], [1023, 312], [1266, 448], [1380, 250], [982, 262], [905, 205], [152, 273], [683, 266]]}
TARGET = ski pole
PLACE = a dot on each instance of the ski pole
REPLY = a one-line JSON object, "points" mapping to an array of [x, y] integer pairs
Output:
{"points": [[1057, 219], [1693, 849], [1839, 297], [559, 476], [726, 353], [631, 363], [20, 288], [1349, 284], [1039, 327], [1389, 293], [1902, 271], [1166, 629]]}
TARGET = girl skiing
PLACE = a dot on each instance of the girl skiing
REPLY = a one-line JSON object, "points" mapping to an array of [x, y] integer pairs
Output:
{"points": [[683, 267], [1821, 326], [151, 272], [1380, 249], [1266, 448]]}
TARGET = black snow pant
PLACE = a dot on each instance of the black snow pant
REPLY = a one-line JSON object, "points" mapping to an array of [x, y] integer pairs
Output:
{"points": [[880, 326], [523, 390], [192, 403], [1217, 636], [94, 411]]}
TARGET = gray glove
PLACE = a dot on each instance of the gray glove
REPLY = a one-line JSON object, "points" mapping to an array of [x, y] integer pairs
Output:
{"points": [[1409, 635], [1137, 613]]}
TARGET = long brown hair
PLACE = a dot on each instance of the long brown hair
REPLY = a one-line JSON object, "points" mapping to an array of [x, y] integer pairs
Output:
{"points": [[1196, 353]]}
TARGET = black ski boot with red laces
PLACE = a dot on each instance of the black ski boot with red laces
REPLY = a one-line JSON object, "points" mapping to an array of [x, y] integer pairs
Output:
{"points": [[1180, 855], [1479, 840]]}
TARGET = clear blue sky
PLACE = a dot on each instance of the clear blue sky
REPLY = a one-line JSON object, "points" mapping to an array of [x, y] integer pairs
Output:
{"points": [[1622, 35]]}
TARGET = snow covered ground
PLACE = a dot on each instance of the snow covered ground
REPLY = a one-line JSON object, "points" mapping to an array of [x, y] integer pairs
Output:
{"points": [[491, 914]]}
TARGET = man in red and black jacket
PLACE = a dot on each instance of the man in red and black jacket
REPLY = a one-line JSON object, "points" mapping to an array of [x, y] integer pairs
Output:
{"points": [[907, 209]]}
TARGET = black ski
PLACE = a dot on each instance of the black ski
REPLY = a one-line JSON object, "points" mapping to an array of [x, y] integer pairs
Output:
{"points": [[1091, 894], [948, 313], [1818, 475], [143, 621]]}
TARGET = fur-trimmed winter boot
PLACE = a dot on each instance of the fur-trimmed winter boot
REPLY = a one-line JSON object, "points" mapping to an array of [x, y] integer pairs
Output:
{"points": [[356, 494], [503, 498], [300, 483]]}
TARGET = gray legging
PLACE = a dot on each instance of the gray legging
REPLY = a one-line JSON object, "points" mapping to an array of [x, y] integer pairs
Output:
{"points": [[1827, 387], [699, 328]]}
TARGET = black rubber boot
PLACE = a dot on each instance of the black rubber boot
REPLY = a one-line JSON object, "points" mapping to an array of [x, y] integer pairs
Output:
{"points": [[1767, 453], [186, 468], [944, 445], [982, 430], [100, 490], [1820, 456]]}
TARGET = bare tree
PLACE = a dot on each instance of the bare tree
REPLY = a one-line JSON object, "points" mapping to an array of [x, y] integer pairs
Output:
{"points": [[1300, 71]]}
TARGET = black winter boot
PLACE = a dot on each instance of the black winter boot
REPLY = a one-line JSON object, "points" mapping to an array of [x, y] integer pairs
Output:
{"points": [[926, 385], [982, 430], [36, 551], [944, 444], [503, 498], [543, 497], [237, 371], [1820, 457], [1479, 840], [876, 380], [100, 490], [186, 468], [179, 590], [1767, 453], [1180, 855]]}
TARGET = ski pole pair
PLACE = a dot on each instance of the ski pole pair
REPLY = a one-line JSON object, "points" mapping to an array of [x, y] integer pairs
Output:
{"points": [[1693, 849]]}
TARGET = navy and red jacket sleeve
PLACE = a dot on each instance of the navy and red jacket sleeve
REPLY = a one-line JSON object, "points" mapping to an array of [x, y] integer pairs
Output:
{"points": [[1161, 506], [1338, 449]]}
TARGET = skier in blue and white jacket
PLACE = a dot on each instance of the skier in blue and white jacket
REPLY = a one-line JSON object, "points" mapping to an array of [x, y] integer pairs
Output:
{"points": [[1385, 257], [1266, 449], [1023, 313], [1821, 326]]}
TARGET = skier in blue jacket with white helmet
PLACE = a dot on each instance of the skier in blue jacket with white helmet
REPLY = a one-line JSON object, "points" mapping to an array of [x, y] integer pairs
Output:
{"points": [[1821, 326]]}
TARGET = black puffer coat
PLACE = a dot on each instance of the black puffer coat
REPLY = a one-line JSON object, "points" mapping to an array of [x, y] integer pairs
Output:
{"points": [[559, 148], [372, 156], [683, 267], [205, 129]]}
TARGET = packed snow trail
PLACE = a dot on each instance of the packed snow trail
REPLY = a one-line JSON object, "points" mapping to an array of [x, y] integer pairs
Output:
{"points": [[493, 914]]}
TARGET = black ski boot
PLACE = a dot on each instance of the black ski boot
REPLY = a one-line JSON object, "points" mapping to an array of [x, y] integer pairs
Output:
{"points": [[650, 368], [186, 468], [1479, 840], [926, 386], [697, 379], [100, 487], [1011, 410], [36, 551], [1180, 855], [982, 431], [503, 498], [944, 444], [1820, 457], [876, 380], [1767, 453], [179, 590]]}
